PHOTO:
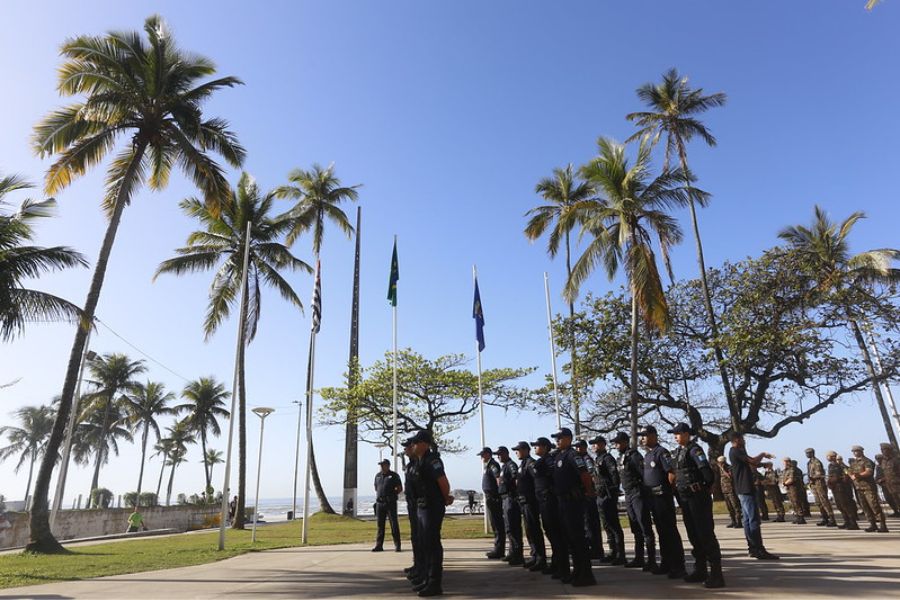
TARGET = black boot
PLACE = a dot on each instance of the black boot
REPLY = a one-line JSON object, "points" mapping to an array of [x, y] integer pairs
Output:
{"points": [[493, 554], [715, 579], [831, 522], [432, 589], [650, 565], [516, 559], [698, 574], [538, 566]]}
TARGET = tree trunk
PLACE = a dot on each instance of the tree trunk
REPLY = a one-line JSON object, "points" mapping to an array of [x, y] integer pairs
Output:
{"points": [[171, 481], [30, 473], [205, 459], [634, 367], [143, 456], [42, 539], [162, 471], [324, 504], [576, 401], [95, 480], [238, 521], [876, 385]]}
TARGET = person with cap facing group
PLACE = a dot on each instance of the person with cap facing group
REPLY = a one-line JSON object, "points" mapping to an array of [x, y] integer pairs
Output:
{"points": [[592, 526], [658, 478], [862, 472], [512, 516], [839, 484], [693, 480], [742, 467], [492, 502], [637, 503], [387, 489], [572, 484], [606, 479], [526, 496], [815, 471], [543, 489]]}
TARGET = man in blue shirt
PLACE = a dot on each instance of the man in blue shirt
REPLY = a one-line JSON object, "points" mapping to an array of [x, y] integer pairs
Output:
{"points": [[659, 476], [572, 484], [743, 468], [492, 502]]}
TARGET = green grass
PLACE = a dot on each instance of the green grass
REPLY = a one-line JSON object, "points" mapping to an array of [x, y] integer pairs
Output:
{"points": [[150, 554]]}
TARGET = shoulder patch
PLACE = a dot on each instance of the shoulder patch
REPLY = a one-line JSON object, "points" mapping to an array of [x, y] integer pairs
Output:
{"points": [[437, 465]]}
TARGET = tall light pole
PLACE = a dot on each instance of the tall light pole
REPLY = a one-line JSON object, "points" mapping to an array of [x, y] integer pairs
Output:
{"points": [[262, 412]]}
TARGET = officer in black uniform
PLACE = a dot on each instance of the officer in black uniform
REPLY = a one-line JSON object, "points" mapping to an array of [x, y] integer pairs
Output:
{"points": [[492, 503], [658, 478], [543, 489], [637, 503], [512, 515], [433, 497], [606, 479], [592, 525], [409, 487], [693, 480], [572, 484], [387, 489], [531, 510]]}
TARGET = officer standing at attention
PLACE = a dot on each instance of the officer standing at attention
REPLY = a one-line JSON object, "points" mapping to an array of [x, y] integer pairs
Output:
{"points": [[862, 472], [492, 503], [789, 481], [606, 478], [412, 572], [890, 475], [815, 470], [637, 503], [531, 510], [387, 489], [543, 489], [512, 516], [839, 485], [770, 486], [731, 501], [693, 480], [572, 484], [658, 467], [592, 526], [433, 497]]}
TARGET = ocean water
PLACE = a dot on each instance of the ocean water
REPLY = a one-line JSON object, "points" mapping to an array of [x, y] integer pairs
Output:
{"points": [[276, 509]]}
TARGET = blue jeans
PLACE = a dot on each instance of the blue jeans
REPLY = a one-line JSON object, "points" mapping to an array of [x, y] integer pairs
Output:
{"points": [[751, 522]]}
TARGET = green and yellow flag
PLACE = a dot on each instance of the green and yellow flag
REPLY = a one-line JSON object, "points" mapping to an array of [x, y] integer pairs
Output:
{"points": [[395, 277]]}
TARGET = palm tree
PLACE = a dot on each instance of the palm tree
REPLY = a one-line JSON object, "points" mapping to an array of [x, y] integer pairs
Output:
{"points": [[220, 246], [630, 208], [826, 253], [150, 93], [113, 374], [29, 441], [210, 458], [162, 448], [673, 110], [144, 403], [205, 403], [20, 261], [98, 435], [319, 193], [179, 437], [563, 191]]}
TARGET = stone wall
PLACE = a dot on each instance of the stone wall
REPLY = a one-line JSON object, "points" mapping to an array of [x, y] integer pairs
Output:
{"points": [[72, 524]]}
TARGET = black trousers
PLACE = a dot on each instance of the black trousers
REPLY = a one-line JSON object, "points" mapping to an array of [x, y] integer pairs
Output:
{"points": [[512, 518], [609, 517], [431, 519], [552, 529], [571, 517], [412, 509], [387, 511], [592, 528], [531, 512], [697, 512], [638, 508], [494, 507], [670, 548]]}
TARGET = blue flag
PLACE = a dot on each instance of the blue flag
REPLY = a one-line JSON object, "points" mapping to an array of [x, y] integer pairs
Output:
{"points": [[478, 315]]}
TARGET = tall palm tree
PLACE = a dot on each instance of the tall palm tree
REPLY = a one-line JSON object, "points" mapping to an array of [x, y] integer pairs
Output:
{"points": [[29, 440], [220, 246], [20, 261], [98, 435], [563, 191], [319, 194], [144, 90], [112, 375], [211, 458], [179, 437], [205, 404], [825, 250], [144, 403], [622, 221], [674, 108], [162, 448]]}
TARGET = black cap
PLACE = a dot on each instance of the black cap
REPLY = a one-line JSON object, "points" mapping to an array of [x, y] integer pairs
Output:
{"points": [[423, 435], [542, 441], [563, 432], [407, 442], [682, 428], [621, 437], [647, 430], [485, 449], [599, 440], [580, 444], [522, 446], [384, 462], [502, 450]]}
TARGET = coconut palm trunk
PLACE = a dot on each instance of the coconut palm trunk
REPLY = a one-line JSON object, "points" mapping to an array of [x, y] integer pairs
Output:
{"points": [[42, 539], [98, 461], [633, 417], [876, 385], [143, 456], [162, 471], [576, 400], [238, 521], [206, 465], [171, 481], [30, 473]]}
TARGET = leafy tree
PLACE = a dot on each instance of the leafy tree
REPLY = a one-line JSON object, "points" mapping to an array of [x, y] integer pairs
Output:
{"points": [[28, 441], [205, 404], [146, 90], [211, 458], [143, 404], [178, 439], [220, 246], [20, 261]]}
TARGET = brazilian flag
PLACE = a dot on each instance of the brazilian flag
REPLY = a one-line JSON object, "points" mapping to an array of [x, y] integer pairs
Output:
{"points": [[395, 277]]}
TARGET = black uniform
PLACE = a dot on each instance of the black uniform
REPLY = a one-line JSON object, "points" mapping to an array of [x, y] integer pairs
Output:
{"points": [[429, 469], [592, 526], [543, 489], [570, 495], [657, 465], [607, 481], [409, 489], [693, 479], [386, 485], [531, 510], [512, 516], [493, 505], [637, 505]]}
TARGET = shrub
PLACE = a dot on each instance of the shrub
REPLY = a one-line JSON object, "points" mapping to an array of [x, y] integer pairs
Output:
{"points": [[101, 498], [148, 499], [131, 499], [182, 499]]}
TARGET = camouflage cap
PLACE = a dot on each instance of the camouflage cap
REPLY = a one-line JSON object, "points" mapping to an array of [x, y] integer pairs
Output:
{"points": [[831, 454], [856, 448], [786, 459], [721, 459], [810, 451], [885, 445]]}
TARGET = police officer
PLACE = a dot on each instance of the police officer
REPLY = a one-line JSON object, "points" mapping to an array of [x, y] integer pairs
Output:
{"points": [[531, 510], [606, 479], [432, 496], [512, 516], [637, 504], [387, 488], [693, 480], [543, 489], [572, 484], [412, 572], [658, 477], [815, 470], [492, 503], [592, 526]]}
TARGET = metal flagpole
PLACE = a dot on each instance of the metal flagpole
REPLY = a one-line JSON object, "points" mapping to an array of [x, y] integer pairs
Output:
{"points": [[304, 536], [394, 444], [480, 401], [297, 457], [226, 488], [887, 383], [552, 349]]}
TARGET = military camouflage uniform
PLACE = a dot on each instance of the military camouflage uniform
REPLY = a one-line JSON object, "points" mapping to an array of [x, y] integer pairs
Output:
{"points": [[868, 492], [789, 481], [890, 467], [770, 484], [731, 499], [839, 485], [816, 472]]}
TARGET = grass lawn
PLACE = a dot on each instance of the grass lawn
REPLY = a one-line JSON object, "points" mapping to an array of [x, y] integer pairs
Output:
{"points": [[149, 554]]}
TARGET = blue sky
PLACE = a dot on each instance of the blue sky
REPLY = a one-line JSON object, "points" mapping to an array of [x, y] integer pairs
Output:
{"points": [[448, 113]]}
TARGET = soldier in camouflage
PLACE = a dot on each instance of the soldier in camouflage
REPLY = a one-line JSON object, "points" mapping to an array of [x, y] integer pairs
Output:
{"points": [[815, 470], [770, 485], [839, 484], [887, 475], [731, 499], [862, 472], [793, 487]]}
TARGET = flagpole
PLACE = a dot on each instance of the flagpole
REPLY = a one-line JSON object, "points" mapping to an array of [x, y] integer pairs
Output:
{"points": [[226, 488], [552, 349], [394, 446], [480, 398], [304, 536]]}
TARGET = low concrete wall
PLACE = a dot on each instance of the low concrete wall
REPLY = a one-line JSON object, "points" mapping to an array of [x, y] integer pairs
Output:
{"points": [[72, 524]]}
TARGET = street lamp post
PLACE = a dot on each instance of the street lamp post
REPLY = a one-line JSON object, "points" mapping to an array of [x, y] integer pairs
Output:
{"points": [[262, 412]]}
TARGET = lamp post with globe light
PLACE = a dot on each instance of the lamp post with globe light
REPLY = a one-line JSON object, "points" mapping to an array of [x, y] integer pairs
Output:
{"points": [[262, 412]]}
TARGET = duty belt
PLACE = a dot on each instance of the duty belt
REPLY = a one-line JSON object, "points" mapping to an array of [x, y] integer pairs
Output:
{"points": [[691, 487]]}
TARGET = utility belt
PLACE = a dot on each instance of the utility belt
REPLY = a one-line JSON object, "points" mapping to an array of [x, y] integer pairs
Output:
{"points": [[659, 490], [526, 500], [575, 495], [690, 489], [543, 495], [608, 491], [491, 496], [385, 500]]}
